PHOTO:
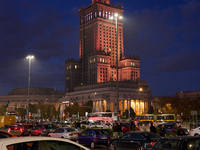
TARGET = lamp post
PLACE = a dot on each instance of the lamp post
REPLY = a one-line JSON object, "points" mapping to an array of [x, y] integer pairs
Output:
{"points": [[29, 57], [116, 16]]}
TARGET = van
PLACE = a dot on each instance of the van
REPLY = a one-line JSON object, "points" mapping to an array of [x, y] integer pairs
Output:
{"points": [[7, 120]]}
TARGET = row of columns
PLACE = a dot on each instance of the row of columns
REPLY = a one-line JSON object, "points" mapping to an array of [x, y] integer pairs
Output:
{"points": [[100, 106], [140, 107]]}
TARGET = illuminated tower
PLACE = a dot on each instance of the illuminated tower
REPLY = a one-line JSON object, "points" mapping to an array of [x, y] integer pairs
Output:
{"points": [[97, 47]]}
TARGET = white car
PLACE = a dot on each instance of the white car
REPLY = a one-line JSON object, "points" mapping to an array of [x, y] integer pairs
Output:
{"points": [[195, 131], [65, 132], [39, 143]]}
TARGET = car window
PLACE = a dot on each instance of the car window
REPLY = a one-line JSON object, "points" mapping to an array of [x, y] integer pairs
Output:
{"points": [[59, 145], [135, 136], [99, 132], [171, 143], [57, 130], [84, 133], [91, 133], [61, 130], [150, 135], [28, 126], [105, 131], [49, 126], [25, 146], [39, 127], [70, 129], [4, 135], [126, 136]]}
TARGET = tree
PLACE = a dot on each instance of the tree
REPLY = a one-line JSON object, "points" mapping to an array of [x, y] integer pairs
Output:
{"points": [[2, 110], [132, 113], [126, 113]]}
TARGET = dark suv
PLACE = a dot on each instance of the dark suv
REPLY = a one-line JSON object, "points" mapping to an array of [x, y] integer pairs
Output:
{"points": [[20, 129], [178, 143], [43, 129]]}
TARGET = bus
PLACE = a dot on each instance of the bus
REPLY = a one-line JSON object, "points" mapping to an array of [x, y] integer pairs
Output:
{"points": [[156, 118], [102, 116]]}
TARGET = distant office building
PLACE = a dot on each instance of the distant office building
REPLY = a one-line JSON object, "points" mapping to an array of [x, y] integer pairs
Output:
{"points": [[189, 94], [96, 69], [18, 97]]}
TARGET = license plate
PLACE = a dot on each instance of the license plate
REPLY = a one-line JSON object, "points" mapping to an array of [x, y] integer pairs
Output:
{"points": [[104, 138]]}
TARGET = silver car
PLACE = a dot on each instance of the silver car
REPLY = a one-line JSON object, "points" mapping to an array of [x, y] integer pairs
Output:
{"points": [[65, 132]]}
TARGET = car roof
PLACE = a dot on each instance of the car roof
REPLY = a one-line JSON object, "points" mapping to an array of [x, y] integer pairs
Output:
{"points": [[9, 141]]}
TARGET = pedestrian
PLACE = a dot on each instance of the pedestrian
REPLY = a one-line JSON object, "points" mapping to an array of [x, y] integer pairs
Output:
{"points": [[180, 131], [162, 131], [114, 129], [152, 128], [119, 129]]}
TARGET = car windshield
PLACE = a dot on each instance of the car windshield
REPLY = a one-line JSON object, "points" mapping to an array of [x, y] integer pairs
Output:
{"points": [[70, 129]]}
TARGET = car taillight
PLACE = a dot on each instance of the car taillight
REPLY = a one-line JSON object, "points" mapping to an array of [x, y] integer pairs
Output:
{"points": [[152, 143], [21, 130], [70, 134], [9, 130], [15, 128], [95, 138]]}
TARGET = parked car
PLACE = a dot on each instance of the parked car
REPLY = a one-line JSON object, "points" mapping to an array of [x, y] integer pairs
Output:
{"points": [[172, 127], [39, 143], [65, 132], [178, 143], [195, 131], [134, 140], [95, 124], [20, 129], [42, 129], [4, 134], [94, 137]]}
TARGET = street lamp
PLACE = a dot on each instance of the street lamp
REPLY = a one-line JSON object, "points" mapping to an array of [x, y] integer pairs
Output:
{"points": [[140, 90], [29, 57], [116, 16]]}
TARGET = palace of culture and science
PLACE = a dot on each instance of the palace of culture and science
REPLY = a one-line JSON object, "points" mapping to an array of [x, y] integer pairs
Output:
{"points": [[94, 76]]}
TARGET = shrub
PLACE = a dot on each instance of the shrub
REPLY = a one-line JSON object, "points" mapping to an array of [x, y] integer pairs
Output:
{"points": [[83, 127]]}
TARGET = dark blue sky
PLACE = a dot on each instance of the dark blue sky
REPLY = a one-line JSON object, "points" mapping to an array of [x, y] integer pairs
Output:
{"points": [[164, 33]]}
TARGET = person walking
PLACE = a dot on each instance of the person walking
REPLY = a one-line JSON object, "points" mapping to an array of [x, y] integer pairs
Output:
{"points": [[162, 131], [180, 131], [119, 130], [152, 128], [114, 129]]}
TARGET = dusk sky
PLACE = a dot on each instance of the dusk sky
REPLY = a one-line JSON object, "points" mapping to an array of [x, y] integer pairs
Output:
{"points": [[165, 34]]}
